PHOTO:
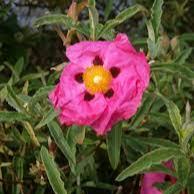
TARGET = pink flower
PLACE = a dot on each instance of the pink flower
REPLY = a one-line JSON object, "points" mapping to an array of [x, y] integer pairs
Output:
{"points": [[102, 84], [152, 178]]}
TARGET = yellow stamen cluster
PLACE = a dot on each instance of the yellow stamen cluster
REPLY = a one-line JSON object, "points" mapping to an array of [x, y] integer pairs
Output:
{"points": [[97, 79]]}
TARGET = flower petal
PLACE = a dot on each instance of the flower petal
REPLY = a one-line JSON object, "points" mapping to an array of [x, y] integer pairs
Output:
{"points": [[68, 88], [84, 53], [82, 112], [149, 180]]}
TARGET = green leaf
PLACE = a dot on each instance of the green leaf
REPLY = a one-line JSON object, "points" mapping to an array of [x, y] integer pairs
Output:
{"points": [[186, 37], [61, 142], [156, 14], [184, 55], [187, 133], [33, 76], [174, 114], [153, 47], [156, 142], [2, 67], [151, 33], [114, 145], [49, 116], [108, 8], [31, 133], [93, 18], [14, 100], [18, 164], [162, 168], [16, 135], [190, 184], [110, 35], [52, 172], [100, 185], [40, 94], [182, 166], [142, 112], [19, 65], [43, 91], [174, 189], [54, 19], [15, 75], [135, 144], [76, 135], [84, 29], [180, 70], [145, 162], [6, 116], [120, 18]]}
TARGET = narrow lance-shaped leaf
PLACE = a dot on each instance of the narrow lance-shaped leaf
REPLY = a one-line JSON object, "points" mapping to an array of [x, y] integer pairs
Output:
{"points": [[156, 142], [52, 172], [182, 166], [50, 115], [61, 142], [174, 114], [12, 116], [156, 14], [18, 164], [114, 145], [151, 33], [19, 65], [145, 162], [187, 133], [120, 18], [14, 101], [184, 55], [54, 19], [174, 189], [108, 8], [143, 111], [175, 69], [93, 17]]}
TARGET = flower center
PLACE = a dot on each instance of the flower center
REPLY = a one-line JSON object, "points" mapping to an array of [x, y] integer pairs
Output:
{"points": [[97, 79]]}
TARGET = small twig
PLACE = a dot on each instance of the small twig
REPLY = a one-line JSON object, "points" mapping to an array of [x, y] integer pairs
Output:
{"points": [[61, 35], [119, 190], [31, 133]]}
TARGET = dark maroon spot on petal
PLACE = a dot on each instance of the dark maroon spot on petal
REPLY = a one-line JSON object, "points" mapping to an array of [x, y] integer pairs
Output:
{"points": [[97, 61], [79, 77], [115, 71], [167, 178], [109, 93], [88, 96]]}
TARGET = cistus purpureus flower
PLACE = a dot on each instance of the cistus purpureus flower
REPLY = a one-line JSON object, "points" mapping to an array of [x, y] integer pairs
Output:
{"points": [[102, 84], [149, 181]]}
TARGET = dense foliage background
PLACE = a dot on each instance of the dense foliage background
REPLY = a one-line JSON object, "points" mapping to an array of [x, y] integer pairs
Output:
{"points": [[39, 156]]}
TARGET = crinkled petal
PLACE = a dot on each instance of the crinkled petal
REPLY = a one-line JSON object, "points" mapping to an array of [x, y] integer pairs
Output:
{"points": [[122, 105], [149, 180], [68, 88], [122, 42], [82, 112], [127, 58], [83, 53]]}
